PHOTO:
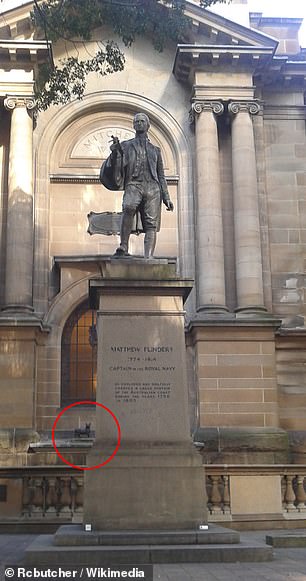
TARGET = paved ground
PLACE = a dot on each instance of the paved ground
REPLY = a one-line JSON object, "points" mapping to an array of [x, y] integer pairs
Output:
{"points": [[287, 564]]}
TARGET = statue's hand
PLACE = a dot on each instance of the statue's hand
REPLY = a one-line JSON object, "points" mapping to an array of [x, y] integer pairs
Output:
{"points": [[169, 204], [115, 146]]}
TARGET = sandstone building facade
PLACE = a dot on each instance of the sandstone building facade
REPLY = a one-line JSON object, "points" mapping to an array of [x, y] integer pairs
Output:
{"points": [[228, 112]]}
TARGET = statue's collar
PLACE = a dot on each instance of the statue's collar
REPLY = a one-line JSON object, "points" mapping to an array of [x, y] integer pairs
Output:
{"points": [[142, 138]]}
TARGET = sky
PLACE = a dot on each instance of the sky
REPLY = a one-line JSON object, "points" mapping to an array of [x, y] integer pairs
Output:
{"points": [[281, 8]]}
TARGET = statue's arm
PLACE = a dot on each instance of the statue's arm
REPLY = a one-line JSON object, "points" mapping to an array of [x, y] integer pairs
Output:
{"points": [[163, 183], [112, 170]]}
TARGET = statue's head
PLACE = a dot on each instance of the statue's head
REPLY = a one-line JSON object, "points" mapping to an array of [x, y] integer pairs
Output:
{"points": [[141, 123]]}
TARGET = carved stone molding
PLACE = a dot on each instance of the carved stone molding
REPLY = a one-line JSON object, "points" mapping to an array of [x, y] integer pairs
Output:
{"points": [[12, 102], [56, 178], [198, 107], [252, 107]]}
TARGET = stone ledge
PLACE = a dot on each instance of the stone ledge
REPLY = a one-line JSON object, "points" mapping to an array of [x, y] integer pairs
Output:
{"points": [[234, 320], [43, 550], [111, 261], [16, 320], [287, 539], [74, 535], [270, 445], [132, 281]]}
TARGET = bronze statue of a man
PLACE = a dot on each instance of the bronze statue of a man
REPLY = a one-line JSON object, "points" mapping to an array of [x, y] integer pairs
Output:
{"points": [[136, 167]]}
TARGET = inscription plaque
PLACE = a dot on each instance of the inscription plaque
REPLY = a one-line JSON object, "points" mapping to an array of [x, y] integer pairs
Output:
{"points": [[143, 379]]}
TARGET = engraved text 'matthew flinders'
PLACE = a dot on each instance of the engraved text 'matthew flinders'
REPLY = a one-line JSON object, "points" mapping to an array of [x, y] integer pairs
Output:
{"points": [[150, 372]]}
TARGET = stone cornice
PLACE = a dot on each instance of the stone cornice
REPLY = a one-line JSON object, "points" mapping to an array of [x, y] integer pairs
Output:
{"points": [[260, 321], [284, 71], [258, 19], [294, 71], [24, 52], [266, 67], [16, 20], [191, 57]]}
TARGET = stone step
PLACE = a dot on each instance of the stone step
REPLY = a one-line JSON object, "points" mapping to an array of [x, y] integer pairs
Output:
{"points": [[286, 539], [44, 552], [74, 535]]}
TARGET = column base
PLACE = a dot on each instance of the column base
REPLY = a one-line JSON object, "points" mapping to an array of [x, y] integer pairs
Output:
{"points": [[20, 318], [16, 308], [251, 310], [212, 311]]}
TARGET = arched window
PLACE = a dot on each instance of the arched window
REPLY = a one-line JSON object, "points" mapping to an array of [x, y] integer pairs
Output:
{"points": [[79, 356]]}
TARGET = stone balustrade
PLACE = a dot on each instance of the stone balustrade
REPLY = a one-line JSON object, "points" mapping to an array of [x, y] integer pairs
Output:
{"points": [[56, 494], [294, 493], [289, 480]]}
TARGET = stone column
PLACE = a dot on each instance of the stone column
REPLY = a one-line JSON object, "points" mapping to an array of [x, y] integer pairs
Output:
{"points": [[249, 277], [2, 198], [20, 228], [209, 228]]}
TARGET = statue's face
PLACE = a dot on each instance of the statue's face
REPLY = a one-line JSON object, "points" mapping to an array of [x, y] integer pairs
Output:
{"points": [[141, 123]]}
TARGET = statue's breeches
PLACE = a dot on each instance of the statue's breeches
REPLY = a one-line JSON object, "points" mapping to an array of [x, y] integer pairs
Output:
{"points": [[146, 198]]}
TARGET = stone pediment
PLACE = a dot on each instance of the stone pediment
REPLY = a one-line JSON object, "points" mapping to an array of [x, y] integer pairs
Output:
{"points": [[16, 20], [219, 42], [208, 26], [212, 29]]}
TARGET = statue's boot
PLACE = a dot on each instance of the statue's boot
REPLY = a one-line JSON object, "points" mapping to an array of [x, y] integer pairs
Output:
{"points": [[125, 231], [149, 243]]}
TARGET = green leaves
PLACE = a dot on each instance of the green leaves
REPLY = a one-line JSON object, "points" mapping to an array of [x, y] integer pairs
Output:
{"points": [[75, 20], [59, 84], [207, 3]]}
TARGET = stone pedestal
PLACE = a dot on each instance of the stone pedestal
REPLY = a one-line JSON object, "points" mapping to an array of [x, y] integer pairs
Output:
{"points": [[156, 480]]}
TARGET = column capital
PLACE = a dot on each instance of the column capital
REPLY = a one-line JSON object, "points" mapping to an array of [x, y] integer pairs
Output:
{"points": [[11, 102], [198, 107], [251, 107]]}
